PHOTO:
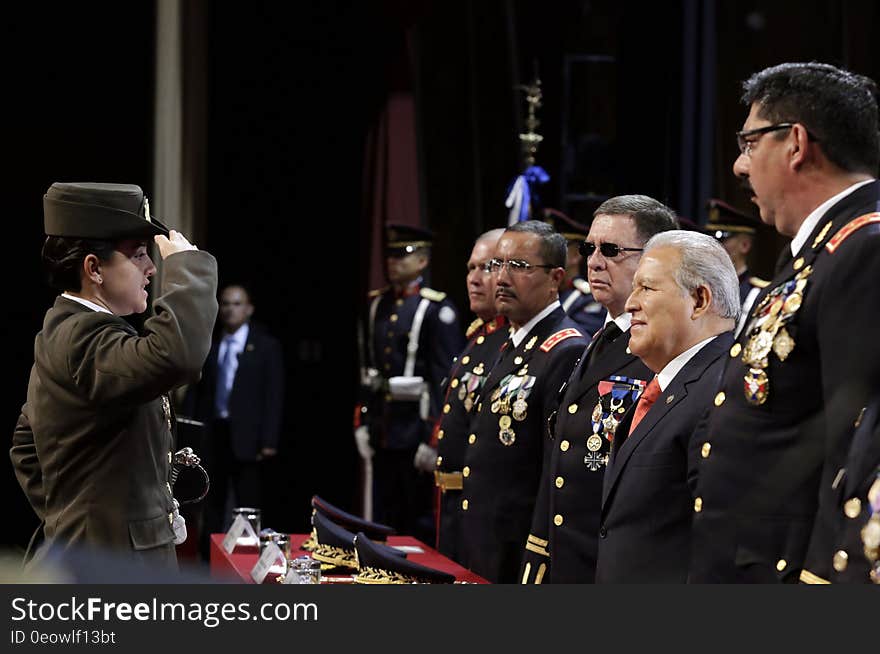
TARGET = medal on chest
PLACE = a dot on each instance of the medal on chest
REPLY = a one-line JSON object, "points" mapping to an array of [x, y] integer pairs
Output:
{"points": [[767, 332]]}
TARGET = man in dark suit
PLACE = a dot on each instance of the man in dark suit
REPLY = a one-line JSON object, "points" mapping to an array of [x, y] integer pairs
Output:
{"points": [[561, 547], [240, 399], [684, 304], [804, 365], [502, 460], [574, 291], [469, 371]]}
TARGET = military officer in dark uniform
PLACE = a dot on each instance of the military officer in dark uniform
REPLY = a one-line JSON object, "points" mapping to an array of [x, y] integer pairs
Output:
{"points": [[502, 461], [797, 378], [735, 231], [93, 445], [574, 291], [562, 546], [413, 335], [851, 531], [485, 337]]}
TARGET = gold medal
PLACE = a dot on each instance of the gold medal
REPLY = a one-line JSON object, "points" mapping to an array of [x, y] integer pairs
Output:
{"points": [[496, 406], [504, 422], [597, 412], [468, 403], [507, 437], [520, 408], [756, 386], [594, 443], [783, 344], [793, 303]]}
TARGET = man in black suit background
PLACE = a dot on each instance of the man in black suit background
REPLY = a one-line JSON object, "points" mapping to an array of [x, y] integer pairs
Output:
{"points": [[561, 547], [240, 400], [684, 304]]}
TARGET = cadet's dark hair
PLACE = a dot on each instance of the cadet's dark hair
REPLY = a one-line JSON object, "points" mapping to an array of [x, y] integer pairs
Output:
{"points": [[554, 247], [649, 215], [63, 258], [839, 108]]}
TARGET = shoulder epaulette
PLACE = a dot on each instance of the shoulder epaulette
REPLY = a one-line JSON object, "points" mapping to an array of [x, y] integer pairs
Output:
{"points": [[849, 228], [757, 281], [473, 327], [582, 285], [558, 337], [431, 294], [376, 292]]}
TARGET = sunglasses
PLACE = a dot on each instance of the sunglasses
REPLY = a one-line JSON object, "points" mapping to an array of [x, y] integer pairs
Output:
{"points": [[608, 250]]}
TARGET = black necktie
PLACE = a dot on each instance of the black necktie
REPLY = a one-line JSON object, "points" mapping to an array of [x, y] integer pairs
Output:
{"points": [[607, 336]]}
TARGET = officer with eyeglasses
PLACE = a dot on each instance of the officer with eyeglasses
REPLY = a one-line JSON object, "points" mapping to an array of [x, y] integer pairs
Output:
{"points": [[562, 546], [507, 437], [774, 480], [574, 291]]}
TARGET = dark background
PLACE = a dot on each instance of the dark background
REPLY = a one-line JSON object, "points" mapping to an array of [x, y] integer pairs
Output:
{"points": [[291, 95]]}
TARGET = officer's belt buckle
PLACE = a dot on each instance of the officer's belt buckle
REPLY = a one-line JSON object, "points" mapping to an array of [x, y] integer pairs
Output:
{"points": [[407, 389], [448, 480]]}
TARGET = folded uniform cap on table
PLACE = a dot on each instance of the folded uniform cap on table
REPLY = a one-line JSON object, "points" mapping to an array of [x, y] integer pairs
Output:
{"points": [[334, 546], [374, 530], [379, 564]]}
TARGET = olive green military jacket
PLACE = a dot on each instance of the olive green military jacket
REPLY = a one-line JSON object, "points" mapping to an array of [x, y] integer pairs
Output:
{"points": [[93, 445]]}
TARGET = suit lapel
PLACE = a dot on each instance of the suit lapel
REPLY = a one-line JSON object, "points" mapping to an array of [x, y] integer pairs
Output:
{"points": [[674, 393]]}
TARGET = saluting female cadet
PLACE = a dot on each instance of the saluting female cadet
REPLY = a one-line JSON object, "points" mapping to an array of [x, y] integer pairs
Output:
{"points": [[92, 448]]}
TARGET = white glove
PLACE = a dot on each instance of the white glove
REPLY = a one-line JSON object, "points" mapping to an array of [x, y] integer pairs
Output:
{"points": [[362, 440], [425, 458], [178, 524]]}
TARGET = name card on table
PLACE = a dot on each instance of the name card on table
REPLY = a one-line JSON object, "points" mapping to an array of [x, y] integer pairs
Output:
{"points": [[240, 527], [270, 556]]}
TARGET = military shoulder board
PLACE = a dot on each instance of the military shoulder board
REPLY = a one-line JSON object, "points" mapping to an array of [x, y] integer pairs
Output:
{"points": [[849, 228], [473, 327], [758, 282], [558, 337], [376, 292], [431, 294]]}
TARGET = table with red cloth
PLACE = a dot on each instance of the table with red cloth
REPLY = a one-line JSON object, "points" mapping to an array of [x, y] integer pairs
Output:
{"points": [[236, 567]]}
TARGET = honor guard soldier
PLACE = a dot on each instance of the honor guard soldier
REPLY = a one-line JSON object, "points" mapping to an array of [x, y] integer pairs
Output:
{"points": [[413, 335], [562, 546], [780, 426], [735, 230], [574, 292], [502, 460], [94, 444], [485, 337]]}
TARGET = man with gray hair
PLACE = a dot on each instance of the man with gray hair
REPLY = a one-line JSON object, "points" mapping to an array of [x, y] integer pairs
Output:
{"points": [[684, 304]]}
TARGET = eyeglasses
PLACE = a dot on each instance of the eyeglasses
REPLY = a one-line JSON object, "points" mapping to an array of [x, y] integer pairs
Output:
{"points": [[608, 250], [745, 145], [515, 266]]}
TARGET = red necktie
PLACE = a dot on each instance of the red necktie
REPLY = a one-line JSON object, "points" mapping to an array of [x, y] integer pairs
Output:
{"points": [[646, 401]]}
